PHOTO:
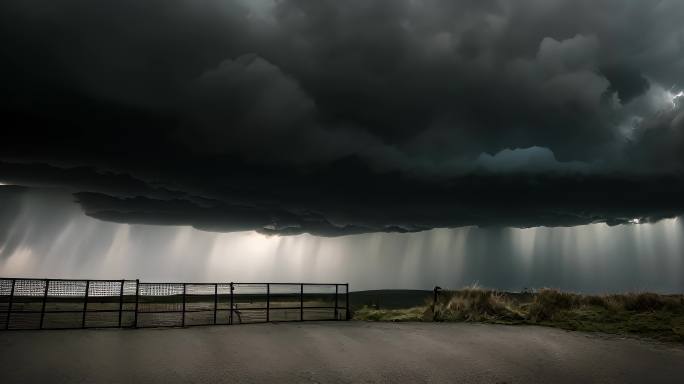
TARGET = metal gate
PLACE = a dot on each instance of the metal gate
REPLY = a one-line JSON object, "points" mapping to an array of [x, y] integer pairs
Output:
{"points": [[68, 304]]}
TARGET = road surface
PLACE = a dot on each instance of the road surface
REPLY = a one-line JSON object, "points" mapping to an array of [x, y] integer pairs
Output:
{"points": [[335, 352]]}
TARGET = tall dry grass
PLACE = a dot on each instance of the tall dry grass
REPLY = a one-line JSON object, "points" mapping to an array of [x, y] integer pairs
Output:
{"points": [[545, 305], [645, 314], [475, 304]]}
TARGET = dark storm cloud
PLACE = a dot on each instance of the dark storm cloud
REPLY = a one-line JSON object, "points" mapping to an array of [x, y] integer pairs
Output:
{"points": [[626, 83], [355, 199], [336, 117], [517, 200]]}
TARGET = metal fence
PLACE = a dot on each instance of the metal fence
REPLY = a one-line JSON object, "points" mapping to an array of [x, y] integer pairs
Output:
{"points": [[67, 304]]}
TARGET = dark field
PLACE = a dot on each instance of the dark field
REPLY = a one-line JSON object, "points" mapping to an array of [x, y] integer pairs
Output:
{"points": [[167, 311], [389, 298]]}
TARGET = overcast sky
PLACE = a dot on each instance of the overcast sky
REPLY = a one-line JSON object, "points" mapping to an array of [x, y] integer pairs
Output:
{"points": [[336, 118]]}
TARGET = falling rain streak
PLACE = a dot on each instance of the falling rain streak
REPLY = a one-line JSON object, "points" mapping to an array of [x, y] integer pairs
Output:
{"points": [[46, 235]]}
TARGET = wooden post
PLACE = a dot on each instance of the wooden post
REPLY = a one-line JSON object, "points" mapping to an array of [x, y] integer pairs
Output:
{"points": [[434, 302], [137, 295], [268, 302], [9, 305], [215, 301], [183, 318], [301, 302], [348, 316], [121, 297], [336, 303], [231, 303], [85, 304], [42, 311]]}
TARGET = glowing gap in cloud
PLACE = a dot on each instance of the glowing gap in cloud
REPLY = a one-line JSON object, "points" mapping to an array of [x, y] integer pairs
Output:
{"points": [[674, 98]]}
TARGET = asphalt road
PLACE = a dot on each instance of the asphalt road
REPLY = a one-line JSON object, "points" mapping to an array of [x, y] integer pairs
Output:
{"points": [[335, 352]]}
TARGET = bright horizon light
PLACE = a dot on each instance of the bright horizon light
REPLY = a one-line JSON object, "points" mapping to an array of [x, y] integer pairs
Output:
{"points": [[674, 97]]}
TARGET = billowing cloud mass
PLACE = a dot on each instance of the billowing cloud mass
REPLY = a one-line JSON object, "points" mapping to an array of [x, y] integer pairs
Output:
{"points": [[342, 117]]}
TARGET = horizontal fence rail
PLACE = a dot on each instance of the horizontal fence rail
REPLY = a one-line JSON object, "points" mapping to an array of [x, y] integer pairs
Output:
{"points": [[69, 304]]}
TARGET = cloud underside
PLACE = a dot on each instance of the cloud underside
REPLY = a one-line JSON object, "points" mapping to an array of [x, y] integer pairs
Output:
{"points": [[336, 117], [322, 204], [508, 212]]}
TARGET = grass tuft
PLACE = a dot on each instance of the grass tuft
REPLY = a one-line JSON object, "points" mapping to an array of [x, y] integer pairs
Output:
{"points": [[475, 304], [371, 314]]}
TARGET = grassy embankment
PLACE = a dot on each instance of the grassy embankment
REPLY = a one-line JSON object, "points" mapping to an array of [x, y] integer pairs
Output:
{"points": [[649, 315]]}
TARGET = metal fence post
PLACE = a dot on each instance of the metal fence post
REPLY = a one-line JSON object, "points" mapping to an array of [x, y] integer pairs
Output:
{"points": [[231, 303], [215, 301], [346, 299], [434, 302], [42, 311], [121, 296], [85, 304], [301, 302], [9, 305], [336, 301], [268, 302], [183, 318], [137, 295]]}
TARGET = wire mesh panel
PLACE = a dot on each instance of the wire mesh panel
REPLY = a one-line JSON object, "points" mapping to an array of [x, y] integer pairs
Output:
{"points": [[160, 305], [199, 304], [27, 304], [128, 303], [64, 304], [6, 286], [104, 301], [5, 292], [66, 288], [29, 287], [249, 303], [104, 295]]}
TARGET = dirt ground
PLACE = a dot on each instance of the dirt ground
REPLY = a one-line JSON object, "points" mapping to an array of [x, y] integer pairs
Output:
{"points": [[335, 352]]}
